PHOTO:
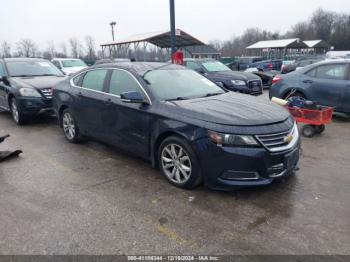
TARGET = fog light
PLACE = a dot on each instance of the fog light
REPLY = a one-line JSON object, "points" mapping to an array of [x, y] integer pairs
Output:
{"points": [[240, 175]]}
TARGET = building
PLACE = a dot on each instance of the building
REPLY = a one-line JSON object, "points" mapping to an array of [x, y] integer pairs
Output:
{"points": [[202, 51]]}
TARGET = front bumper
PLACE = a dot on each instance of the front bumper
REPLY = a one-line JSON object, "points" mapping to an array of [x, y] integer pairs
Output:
{"points": [[226, 168], [34, 105]]}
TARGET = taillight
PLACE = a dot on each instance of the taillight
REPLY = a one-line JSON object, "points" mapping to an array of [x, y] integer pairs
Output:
{"points": [[276, 79], [270, 66]]}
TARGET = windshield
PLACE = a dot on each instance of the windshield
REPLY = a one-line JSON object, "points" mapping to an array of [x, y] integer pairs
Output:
{"points": [[215, 66], [73, 63], [30, 68], [180, 84]]}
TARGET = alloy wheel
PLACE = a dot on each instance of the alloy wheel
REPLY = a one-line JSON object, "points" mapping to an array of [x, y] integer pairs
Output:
{"points": [[68, 126], [14, 110], [176, 163]]}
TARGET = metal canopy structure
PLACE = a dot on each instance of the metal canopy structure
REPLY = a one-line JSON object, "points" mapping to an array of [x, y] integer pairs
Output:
{"points": [[161, 39], [317, 44], [281, 44], [276, 48]]}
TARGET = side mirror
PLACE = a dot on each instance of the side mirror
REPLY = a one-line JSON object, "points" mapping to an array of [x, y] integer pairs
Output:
{"points": [[200, 70], [4, 80], [132, 97]]}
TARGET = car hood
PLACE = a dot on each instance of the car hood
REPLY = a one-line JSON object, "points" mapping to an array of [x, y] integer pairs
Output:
{"points": [[233, 75], [38, 81], [232, 109]]}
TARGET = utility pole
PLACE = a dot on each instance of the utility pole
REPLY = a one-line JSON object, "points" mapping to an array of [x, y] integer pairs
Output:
{"points": [[113, 24], [172, 27]]}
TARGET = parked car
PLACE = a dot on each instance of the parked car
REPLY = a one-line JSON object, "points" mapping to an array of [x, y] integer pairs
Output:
{"points": [[244, 62], [26, 86], [186, 125], [217, 72], [338, 55], [111, 60], [327, 83], [268, 65], [69, 66], [266, 76], [299, 64]]}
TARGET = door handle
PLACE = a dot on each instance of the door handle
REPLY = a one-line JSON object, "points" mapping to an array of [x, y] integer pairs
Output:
{"points": [[308, 81], [108, 102]]}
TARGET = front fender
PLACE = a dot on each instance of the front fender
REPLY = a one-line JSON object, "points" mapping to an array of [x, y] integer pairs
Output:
{"points": [[164, 128]]}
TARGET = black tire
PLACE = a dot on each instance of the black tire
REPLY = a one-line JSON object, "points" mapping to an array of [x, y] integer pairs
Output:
{"points": [[70, 127], [308, 130], [180, 165], [296, 94], [16, 112], [320, 129]]}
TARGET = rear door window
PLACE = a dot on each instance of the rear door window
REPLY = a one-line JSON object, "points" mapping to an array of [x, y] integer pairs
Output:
{"points": [[95, 79], [332, 71]]}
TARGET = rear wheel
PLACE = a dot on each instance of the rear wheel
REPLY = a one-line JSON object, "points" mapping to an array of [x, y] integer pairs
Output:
{"points": [[178, 163], [320, 129], [16, 112], [70, 128], [294, 94]]}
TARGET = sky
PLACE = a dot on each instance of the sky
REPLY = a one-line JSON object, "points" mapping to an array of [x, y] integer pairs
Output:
{"points": [[58, 20]]}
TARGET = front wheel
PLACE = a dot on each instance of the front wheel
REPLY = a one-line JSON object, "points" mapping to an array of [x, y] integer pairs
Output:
{"points": [[178, 163], [16, 112], [70, 128]]}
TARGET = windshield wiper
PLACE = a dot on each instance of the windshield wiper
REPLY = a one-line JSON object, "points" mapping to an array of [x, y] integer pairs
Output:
{"points": [[213, 94], [176, 99], [159, 67], [47, 75], [22, 76]]}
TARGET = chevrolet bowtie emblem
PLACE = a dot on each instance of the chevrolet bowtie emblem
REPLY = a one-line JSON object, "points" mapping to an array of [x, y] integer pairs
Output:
{"points": [[288, 139]]}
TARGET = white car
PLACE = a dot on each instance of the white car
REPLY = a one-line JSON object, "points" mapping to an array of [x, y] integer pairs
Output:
{"points": [[69, 66]]}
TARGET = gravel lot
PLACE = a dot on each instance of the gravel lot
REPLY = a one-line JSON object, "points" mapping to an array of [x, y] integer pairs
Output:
{"points": [[59, 198]]}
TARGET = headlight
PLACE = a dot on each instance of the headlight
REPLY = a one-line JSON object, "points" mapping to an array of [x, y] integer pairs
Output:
{"points": [[24, 91], [238, 82], [232, 140]]}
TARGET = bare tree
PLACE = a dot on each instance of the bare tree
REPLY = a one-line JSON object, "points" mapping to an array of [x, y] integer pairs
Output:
{"points": [[91, 47], [75, 46], [5, 49], [51, 51], [63, 48], [26, 48], [322, 23]]}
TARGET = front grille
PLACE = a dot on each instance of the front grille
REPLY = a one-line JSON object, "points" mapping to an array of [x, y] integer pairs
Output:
{"points": [[47, 92], [254, 85], [280, 141]]}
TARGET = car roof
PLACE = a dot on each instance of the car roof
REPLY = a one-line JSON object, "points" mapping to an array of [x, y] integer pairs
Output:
{"points": [[333, 61], [25, 59], [200, 59], [65, 59], [139, 67]]}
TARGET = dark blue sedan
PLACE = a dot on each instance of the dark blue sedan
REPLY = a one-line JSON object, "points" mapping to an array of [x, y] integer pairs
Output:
{"points": [[186, 125], [327, 83]]}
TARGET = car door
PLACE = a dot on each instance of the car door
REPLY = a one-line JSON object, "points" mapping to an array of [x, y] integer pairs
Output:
{"points": [[346, 101], [3, 88], [326, 84], [127, 124], [92, 98]]}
